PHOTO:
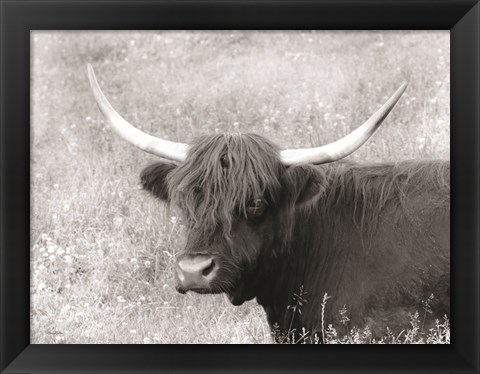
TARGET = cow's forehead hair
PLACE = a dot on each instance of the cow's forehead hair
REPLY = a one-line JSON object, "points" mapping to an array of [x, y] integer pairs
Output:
{"points": [[213, 192]]}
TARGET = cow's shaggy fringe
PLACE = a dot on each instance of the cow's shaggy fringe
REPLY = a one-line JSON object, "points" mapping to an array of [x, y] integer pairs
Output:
{"points": [[221, 176]]}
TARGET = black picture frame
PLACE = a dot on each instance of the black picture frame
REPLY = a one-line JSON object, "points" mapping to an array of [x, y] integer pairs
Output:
{"points": [[19, 17]]}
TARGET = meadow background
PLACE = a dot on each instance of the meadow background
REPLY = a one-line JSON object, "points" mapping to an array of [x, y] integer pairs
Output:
{"points": [[102, 250]]}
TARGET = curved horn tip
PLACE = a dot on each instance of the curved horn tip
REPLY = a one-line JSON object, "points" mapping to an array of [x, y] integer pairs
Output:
{"points": [[346, 145], [156, 146], [403, 87]]}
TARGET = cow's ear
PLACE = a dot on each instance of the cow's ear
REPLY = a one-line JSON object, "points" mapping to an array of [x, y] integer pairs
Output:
{"points": [[304, 185], [154, 179]]}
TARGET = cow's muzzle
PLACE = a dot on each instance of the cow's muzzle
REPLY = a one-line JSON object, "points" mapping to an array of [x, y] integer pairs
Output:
{"points": [[195, 273]]}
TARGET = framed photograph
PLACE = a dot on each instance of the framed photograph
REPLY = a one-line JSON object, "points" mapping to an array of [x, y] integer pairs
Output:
{"points": [[250, 175]]}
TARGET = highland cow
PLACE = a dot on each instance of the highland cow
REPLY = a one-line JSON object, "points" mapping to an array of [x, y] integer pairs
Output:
{"points": [[290, 227]]}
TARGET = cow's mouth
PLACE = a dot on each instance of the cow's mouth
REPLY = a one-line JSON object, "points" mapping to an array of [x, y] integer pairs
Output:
{"points": [[199, 290], [235, 296], [204, 290]]}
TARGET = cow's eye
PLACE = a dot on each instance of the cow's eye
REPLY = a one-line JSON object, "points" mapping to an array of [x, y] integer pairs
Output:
{"points": [[224, 162], [256, 207]]}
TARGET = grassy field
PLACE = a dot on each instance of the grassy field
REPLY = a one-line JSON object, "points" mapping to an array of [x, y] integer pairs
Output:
{"points": [[103, 250]]}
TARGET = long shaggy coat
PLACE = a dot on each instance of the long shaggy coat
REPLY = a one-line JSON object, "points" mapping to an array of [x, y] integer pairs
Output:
{"points": [[375, 238]]}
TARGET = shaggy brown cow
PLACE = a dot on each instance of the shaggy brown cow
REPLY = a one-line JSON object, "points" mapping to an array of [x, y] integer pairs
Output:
{"points": [[286, 228]]}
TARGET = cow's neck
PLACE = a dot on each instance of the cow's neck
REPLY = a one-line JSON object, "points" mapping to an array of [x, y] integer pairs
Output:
{"points": [[284, 285]]}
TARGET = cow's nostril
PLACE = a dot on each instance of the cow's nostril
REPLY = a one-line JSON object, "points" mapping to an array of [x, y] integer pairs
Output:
{"points": [[208, 269]]}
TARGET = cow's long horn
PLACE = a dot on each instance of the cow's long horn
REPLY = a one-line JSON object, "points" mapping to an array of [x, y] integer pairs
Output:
{"points": [[159, 147], [348, 144]]}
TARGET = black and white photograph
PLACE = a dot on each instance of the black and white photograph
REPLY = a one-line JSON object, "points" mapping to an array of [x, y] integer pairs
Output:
{"points": [[240, 187]]}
